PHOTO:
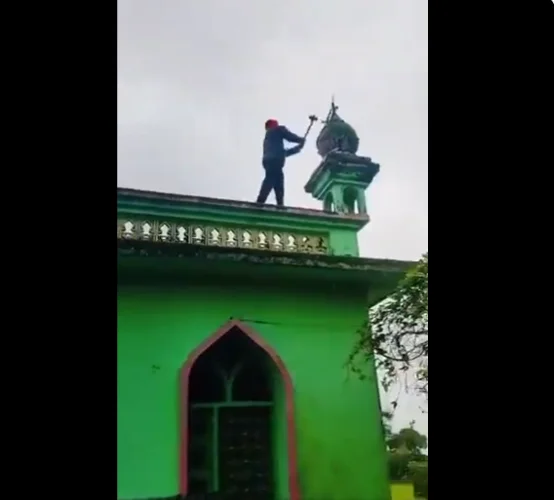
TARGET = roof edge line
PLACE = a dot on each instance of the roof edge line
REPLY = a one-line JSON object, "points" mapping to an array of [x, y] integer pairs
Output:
{"points": [[129, 200]]}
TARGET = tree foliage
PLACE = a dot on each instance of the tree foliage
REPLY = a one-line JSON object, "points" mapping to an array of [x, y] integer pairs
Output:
{"points": [[397, 333], [406, 458]]}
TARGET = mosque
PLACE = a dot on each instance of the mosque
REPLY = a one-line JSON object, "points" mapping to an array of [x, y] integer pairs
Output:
{"points": [[235, 321]]}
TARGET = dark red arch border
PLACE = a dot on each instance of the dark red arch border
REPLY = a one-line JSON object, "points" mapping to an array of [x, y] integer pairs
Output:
{"points": [[294, 489]]}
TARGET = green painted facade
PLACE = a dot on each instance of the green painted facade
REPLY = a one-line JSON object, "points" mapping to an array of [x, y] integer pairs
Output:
{"points": [[188, 265], [340, 447]]}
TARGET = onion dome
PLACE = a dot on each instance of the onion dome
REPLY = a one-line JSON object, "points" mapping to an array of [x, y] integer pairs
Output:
{"points": [[336, 135]]}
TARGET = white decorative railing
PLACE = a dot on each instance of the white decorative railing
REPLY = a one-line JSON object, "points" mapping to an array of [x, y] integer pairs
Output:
{"points": [[202, 234]]}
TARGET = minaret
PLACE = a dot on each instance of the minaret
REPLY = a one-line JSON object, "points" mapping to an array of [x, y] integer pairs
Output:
{"points": [[342, 177]]}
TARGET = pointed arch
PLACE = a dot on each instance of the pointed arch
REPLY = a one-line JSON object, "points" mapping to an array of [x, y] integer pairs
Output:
{"points": [[294, 489]]}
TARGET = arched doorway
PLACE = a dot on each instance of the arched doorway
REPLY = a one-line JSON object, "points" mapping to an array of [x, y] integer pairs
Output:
{"points": [[230, 391]]}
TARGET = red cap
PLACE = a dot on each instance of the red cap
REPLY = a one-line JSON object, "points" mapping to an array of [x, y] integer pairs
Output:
{"points": [[271, 123]]}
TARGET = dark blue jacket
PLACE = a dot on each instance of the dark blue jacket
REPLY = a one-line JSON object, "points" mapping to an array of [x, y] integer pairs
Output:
{"points": [[273, 143]]}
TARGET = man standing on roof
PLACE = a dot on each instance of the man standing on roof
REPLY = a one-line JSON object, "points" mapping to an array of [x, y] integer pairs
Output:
{"points": [[273, 161]]}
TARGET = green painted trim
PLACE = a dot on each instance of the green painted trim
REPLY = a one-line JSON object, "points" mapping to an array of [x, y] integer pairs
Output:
{"points": [[324, 189], [362, 167], [127, 248], [139, 261], [145, 203]]}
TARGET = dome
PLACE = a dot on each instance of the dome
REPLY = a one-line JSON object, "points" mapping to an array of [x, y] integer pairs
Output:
{"points": [[336, 135]]}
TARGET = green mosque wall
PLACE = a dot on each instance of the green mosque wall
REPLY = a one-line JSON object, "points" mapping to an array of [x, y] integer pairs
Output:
{"points": [[341, 453]]}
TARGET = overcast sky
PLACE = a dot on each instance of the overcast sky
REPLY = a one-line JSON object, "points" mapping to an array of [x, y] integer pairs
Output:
{"points": [[197, 80]]}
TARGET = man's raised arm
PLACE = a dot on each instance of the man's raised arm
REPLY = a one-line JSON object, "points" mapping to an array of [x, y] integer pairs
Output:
{"points": [[290, 137]]}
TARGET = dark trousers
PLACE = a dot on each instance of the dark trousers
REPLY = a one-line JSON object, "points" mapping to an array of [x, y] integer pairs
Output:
{"points": [[274, 180]]}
